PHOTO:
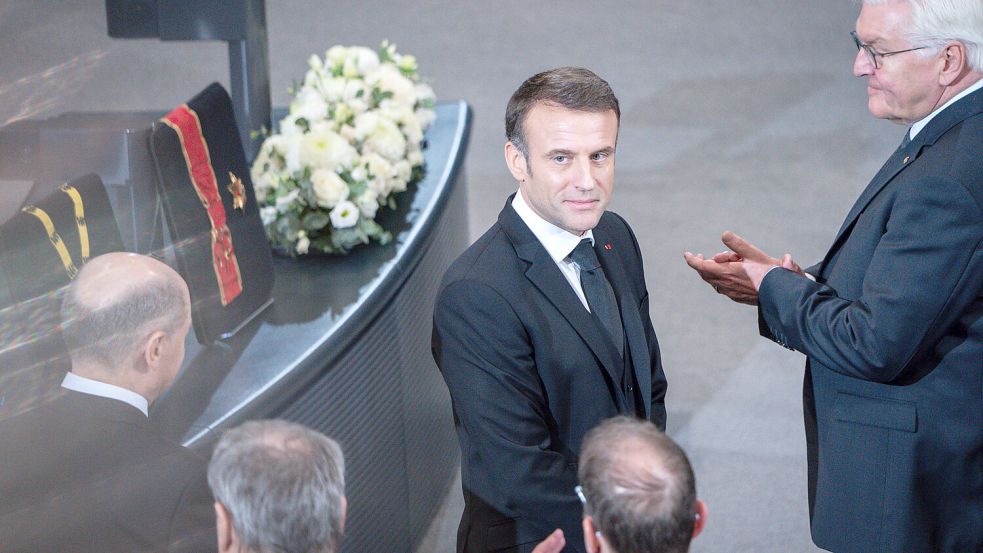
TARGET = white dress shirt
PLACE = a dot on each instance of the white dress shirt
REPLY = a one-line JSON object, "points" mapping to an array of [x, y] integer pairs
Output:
{"points": [[85, 385], [558, 243], [919, 125]]}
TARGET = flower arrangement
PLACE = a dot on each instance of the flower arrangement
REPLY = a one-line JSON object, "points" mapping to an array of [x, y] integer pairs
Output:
{"points": [[353, 138]]}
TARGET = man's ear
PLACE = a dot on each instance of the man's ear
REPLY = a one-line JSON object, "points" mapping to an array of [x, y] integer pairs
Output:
{"points": [[153, 348], [223, 527], [700, 518], [344, 512], [954, 63], [516, 162], [592, 538]]}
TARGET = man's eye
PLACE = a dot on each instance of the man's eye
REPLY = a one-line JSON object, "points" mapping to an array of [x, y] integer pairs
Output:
{"points": [[600, 156], [560, 159]]}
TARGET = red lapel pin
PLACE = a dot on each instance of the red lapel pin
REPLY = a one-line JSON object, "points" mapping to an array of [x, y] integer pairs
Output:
{"points": [[607, 246]]}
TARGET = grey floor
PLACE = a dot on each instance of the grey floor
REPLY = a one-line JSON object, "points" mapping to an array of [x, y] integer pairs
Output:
{"points": [[736, 115]]}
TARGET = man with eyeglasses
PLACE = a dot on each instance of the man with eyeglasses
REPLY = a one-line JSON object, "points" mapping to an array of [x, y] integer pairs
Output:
{"points": [[891, 319]]}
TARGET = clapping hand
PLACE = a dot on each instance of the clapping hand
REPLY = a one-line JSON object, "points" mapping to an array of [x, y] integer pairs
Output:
{"points": [[738, 273]]}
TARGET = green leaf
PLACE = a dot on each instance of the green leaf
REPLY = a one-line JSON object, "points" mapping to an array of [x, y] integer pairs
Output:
{"points": [[288, 226], [315, 220], [304, 124]]}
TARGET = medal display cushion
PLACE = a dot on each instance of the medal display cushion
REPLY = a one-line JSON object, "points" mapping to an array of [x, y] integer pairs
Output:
{"points": [[211, 213], [42, 248]]}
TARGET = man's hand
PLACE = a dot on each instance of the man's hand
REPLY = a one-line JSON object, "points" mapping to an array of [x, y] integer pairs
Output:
{"points": [[738, 273], [553, 543]]}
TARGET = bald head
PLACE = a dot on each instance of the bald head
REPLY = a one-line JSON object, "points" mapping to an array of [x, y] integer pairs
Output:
{"points": [[117, 303]]}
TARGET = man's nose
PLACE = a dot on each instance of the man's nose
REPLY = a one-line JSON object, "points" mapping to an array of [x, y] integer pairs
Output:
{"points": [[584, 179], [862, 64]]}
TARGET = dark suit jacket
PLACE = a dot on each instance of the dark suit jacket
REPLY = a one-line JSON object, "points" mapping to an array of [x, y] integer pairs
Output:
{"points": [[84, 473], [893, 332], [530, 372]]}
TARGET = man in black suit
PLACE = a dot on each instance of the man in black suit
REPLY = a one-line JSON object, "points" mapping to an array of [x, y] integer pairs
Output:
{"points": [[85, 471], [891, 320], [542, 328]]}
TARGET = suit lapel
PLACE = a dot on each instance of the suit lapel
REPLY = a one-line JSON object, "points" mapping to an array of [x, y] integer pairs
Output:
{"points": [[905, 157], [614, 269], [547, 278]]}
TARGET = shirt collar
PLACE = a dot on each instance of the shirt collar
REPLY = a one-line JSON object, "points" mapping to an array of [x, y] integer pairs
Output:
{"points": [[558, 242], [919, 125], [85, 385]]}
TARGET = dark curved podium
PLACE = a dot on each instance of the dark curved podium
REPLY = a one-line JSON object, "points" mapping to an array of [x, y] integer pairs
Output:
{"points": [[345, 349]]}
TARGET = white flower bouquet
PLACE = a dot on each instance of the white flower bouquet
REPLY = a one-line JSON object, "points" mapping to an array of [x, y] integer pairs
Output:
{"points": [[353, 139]]}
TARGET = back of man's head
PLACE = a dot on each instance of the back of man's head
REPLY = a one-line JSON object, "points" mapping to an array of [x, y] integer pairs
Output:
{"points": [[279, 487], [117, 301], [639, 488]]}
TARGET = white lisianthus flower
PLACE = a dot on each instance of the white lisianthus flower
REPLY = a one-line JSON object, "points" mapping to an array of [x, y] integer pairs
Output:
{"points": [[264, 169], [359, 173], [366, 59], [350, 68], [344, 215], [284, 202], [303, 242], [368, 203], [415, 158], [329, 188], [389, 79], [315, 63], [268, 215], [325, 149], [342, 112], [291, 151], [355, 89], [347, 132]]}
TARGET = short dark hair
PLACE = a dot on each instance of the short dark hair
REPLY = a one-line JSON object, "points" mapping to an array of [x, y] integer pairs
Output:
{"points": [[573, 88], [639, 487]]}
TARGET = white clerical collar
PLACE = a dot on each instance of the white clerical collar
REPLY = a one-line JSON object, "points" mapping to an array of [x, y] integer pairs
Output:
{"points": [[558, 242], [919, 125], [85, 385]]}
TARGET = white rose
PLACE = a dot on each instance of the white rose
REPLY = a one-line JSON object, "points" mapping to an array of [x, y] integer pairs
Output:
{"points": [[303, 242], [268, 215], [424, 92], [325, 149], [403, 170], [389, 79], [344, 215], [284, 202], [333, 88], [377, 165], [368, 203], [366, 59], [425, 117], [309, 104], [380, 135], [336, 55], [329, 188], [289, 147]]}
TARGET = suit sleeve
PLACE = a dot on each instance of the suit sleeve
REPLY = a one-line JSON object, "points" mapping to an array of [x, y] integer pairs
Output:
{"points": [[926, 270], [486, 358]]}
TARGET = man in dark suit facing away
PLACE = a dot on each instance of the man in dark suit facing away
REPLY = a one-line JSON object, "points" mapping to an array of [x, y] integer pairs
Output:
{"points": [[542, 328], [891, 320], [85, 471]]}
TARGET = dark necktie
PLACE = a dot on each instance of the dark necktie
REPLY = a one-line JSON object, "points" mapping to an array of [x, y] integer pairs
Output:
{"points": [[600, 295]]}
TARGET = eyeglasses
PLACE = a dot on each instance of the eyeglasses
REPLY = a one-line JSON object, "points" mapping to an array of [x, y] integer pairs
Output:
{"points": [[873, 56]]}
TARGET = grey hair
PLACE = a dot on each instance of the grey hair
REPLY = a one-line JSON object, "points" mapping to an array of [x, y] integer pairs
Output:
{"points": [[283, 485], [639, 487], [935, 23], [573, 88], [111, 335]]}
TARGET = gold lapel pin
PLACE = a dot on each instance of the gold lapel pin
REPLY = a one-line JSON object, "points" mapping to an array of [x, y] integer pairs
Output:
{"points": [[238, 191]]}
